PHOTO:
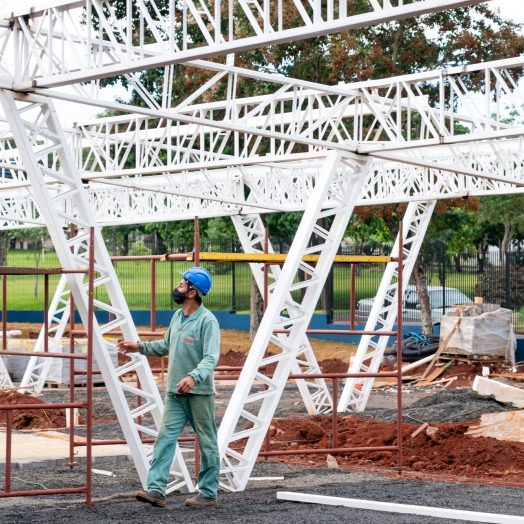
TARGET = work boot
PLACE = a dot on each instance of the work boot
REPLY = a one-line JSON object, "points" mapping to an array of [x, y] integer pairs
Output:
{"points": [[153, 497], [200, 500]]}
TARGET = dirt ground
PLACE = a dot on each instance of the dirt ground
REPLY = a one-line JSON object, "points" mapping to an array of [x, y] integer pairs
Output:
{"points": [[443, 453]]}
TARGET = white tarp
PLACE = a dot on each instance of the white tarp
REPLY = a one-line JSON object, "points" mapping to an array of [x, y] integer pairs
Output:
{"points": [[483, 330], [59, 370]]}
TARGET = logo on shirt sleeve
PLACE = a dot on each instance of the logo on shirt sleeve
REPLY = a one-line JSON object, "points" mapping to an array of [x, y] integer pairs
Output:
{"points": [[188, 340]]}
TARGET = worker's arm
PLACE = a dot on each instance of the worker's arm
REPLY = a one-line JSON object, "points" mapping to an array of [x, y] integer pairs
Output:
{"points": [[211, 344], [157, 348]]}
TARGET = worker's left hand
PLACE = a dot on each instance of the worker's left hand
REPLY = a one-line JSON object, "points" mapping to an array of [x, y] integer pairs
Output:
{"points": [[185, 385]]}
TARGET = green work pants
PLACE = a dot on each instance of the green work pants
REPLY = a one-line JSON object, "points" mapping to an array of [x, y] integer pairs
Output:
{"points": [[199, 411]]}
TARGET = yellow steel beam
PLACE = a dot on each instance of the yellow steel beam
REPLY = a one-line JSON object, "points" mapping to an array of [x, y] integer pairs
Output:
{"points": [[280, 259]]}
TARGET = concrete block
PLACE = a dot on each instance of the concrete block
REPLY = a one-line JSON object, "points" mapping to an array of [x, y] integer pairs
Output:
{"points": [[108, 458], [121, 458], [31, 464], [502, 392], [2, 466]]}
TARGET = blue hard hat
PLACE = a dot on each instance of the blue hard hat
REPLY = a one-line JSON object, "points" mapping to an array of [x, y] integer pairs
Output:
{"points": [[199, 278]]}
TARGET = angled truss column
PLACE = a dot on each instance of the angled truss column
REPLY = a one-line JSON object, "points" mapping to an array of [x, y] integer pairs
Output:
{"points": [[33, 119], [38, 367], [315, 394], [384, 310], [5, 379], [251, 409]]}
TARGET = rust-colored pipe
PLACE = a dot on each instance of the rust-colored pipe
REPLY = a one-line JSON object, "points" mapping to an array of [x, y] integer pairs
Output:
{"points": [[48, 355], [353, 297], [267, 438], [334, 434], [46, 313], [37, 492], [72, 367], [196, 247], [4, 312], [326, 451], [342, 332], [153, 295], [399, 342], [89, 389], [116, 442], [8, 437], [46, 407]]}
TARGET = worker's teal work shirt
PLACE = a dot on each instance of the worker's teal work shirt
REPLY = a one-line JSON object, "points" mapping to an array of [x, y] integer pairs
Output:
{"points": [[193, 346]]}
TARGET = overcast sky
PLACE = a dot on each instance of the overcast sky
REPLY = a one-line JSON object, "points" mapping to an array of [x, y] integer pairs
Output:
{"points": [[512, 9]]}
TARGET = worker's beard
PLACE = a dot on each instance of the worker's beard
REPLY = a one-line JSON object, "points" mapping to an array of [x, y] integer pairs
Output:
{"points": [[178, 296]]}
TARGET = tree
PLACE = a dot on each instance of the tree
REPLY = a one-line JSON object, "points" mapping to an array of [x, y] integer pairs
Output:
{"points": [[5, 238], [506, 211]]}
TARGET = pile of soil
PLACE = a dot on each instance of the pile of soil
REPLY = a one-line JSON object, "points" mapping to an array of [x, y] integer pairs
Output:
{"points": [[30, 418], [457, 405], [447, 452]]}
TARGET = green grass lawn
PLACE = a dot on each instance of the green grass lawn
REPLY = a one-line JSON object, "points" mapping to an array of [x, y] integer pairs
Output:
{"points": [[135, 280]]}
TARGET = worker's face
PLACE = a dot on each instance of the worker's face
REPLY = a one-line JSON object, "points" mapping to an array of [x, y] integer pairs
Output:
{"points": [[184, 290]]}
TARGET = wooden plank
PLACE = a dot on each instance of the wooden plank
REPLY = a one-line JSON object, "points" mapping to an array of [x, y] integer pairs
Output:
{"points": [[441, 348], [419, 430], [433, 375]]}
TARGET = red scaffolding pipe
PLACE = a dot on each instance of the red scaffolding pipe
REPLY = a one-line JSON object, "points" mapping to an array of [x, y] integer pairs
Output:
{"points": [[88, 405]]}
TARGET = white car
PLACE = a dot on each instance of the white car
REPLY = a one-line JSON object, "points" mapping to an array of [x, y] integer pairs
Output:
{"points": [[411, 308]]}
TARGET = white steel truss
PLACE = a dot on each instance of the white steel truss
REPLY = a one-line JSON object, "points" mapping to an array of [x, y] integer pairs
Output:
{"points": [[30, 122], [383, 313], [315, 394], [5, 379], [55, 45], [340, 183]]}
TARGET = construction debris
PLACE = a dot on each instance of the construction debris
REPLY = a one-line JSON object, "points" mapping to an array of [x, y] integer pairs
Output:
{"points": [[507, 426], [501, 392], [331, 462], [419, 430]]}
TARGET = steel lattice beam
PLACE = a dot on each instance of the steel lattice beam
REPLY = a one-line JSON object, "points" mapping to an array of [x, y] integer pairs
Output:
{"points": [[53, 47]]}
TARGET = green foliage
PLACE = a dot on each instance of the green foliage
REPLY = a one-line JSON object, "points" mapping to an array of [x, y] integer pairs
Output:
{"points": [[492, 286], [283, 225], [139, 249]]}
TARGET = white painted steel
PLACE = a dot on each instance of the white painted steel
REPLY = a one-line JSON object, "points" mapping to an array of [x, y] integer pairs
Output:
{"points": [[29, 122], [315, 394], [5, 379], [339, 182], [407, 509], [383, 313], [53, 46]]}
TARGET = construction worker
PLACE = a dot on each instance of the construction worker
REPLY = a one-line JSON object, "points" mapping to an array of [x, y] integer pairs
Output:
{"points": [[193, 345]]}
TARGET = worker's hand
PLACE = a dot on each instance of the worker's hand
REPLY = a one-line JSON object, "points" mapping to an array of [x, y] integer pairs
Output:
{"points": [[125, 347], [185, 385]]}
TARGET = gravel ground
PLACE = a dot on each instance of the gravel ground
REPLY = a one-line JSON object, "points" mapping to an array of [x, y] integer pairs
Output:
{"points": [[256, 505], [446, 405]]}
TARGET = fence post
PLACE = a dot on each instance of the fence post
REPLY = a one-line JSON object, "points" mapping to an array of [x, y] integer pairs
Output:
{"points": [[443, 278], [233, 286], [508, 283]]}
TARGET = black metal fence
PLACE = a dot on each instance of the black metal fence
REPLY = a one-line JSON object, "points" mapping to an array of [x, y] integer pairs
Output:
{"points": [[451, 278]]}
